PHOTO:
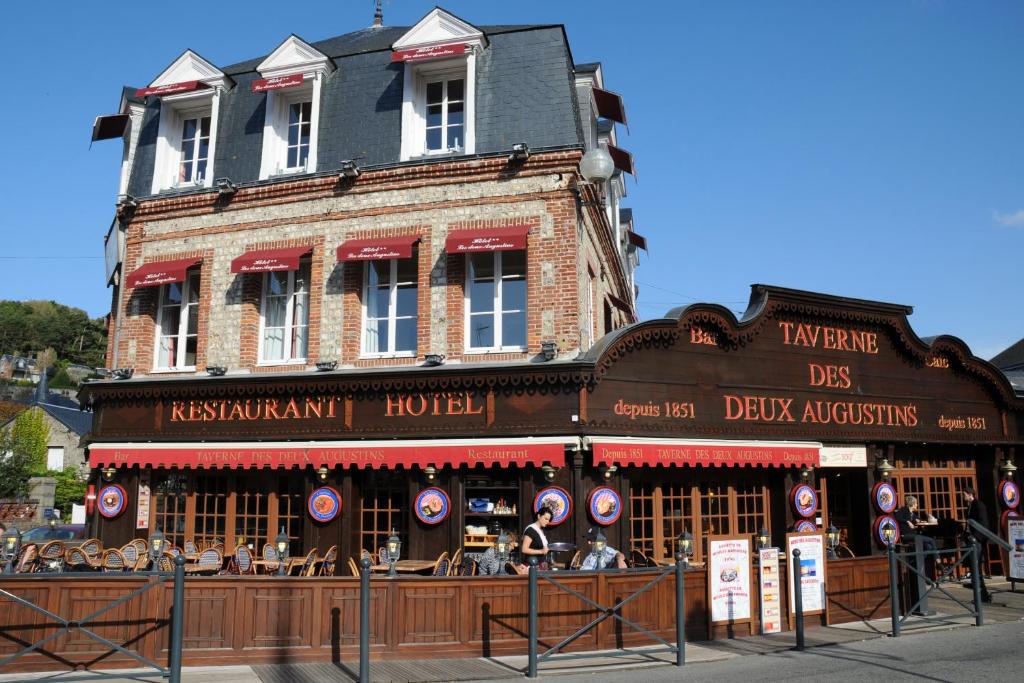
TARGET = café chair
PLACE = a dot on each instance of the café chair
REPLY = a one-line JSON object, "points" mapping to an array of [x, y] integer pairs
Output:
{"points": [[76, 559], [576, 560], [141, 545], [382, 555], [638, 559], [455, 566], [244, 561], [210, 561], [113, 560], [468, 568], [269, 564], [164, 563], [441, 566], [26, 559], [330, 559], [305, 568], [353, 567], [51, 557], [131, 554], [92, 547], [190, 548]]}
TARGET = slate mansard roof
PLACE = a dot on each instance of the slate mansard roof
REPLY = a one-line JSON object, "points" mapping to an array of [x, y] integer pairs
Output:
{"points": [[524, 93]]}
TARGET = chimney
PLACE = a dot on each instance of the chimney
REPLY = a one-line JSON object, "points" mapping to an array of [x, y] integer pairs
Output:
{"points": [[378, 16]]}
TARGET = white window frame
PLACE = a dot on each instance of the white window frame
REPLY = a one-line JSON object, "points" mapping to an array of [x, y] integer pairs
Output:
{"points": [[414, 103], [497, 310], [51, 451], [393, 316], [182, 333], [274, 160], [174, 110], [289, 327]]}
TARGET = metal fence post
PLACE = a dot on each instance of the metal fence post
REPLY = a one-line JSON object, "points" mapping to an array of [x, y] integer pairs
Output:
{"points": [[680, 611], [364, 620], [894, 592], [531, 670], [177, 619], [798, 599], [976, 581]]}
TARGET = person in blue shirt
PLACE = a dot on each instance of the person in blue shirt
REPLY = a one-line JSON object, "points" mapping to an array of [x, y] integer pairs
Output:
{"points": [[610, 557]]}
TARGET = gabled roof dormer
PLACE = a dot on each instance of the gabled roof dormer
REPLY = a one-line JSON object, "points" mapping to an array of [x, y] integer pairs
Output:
{"points": [[294, 56], [188, 72], [438, 29]]}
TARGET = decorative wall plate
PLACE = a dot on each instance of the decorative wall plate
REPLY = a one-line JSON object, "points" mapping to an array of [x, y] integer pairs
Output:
{"points": [[805, 525], [432, 505], [112, 501], [557, 500], [1009, 494], [884, 497], [804, 499], [604, 505], [324, 504]]}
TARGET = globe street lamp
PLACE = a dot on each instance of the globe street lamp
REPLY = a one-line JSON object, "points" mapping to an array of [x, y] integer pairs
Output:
{"points": [[281, 543], [394, 547]]}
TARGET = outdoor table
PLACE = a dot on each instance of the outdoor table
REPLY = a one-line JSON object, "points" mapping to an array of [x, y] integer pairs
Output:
{"points": [[406, 566]]}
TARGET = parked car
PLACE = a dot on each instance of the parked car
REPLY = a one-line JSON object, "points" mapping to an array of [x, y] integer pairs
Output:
{"points": [[61, 532]]}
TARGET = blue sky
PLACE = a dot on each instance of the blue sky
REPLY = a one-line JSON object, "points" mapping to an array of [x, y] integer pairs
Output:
{"points": [[869, 149]]}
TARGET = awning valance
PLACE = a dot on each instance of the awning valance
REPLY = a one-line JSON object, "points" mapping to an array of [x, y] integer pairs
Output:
{"points": [[266, 260], [417, 54], [622, 451], [497, 239], [610, 105], [171, 88], [377, 249], [161, 272], [277, 83], [536, 451], [622, 159]]}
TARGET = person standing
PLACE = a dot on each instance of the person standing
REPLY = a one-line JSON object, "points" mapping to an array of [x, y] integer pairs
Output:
{"points": [[534, 540], [976, 511]]}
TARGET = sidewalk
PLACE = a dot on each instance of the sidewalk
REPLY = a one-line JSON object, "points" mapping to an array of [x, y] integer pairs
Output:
{"points": [[1006, 607]]}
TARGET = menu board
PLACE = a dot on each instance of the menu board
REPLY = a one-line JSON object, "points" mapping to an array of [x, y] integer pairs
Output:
{"points": [[771, 600], [811, 570], [142, 508], [1015, 537], [729, 579]]}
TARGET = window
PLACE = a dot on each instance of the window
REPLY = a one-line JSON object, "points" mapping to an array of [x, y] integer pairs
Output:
{"points": [[195, 150], [186, 141], [285, 315], [496, 301], [390, 302], [289, 131], [178, 324], [170, 492], [299, 114], [55, 458], [445, 129], [384, 502]]}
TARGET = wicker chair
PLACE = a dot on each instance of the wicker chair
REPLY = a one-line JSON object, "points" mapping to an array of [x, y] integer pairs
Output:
{"points": [[455, 566], [113, 560], [26, 559], [638, 559], [330, 559], [190, 547], [92, 547], [141, 544], [576, 560], [164, 563], [131, 554], [210, 560], [244, 560], [51, 557], [76, 559], [307, 566], [468, 568], [442, 564], [382, 555], [173, 551], [353, 567]]}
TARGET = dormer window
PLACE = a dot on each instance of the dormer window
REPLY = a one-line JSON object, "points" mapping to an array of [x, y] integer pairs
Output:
{"points": [[292, 77], [195, 150], [446, 121]]}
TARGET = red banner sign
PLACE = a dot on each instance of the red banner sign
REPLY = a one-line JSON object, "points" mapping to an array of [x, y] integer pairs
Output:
{"points": [[500, 239], [269, 260], [377, 249], [430, 52], [277, 83], [171, 88], [705, 454], [161, 273], [246, 456]]}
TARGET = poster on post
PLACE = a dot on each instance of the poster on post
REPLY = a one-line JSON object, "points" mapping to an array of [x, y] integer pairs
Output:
{"points": [[1015, 537], [811, 570], [771, 586], [142, 508], [729, 571]]}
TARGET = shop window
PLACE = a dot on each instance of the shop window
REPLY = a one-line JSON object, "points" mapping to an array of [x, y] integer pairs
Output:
{"points": [[660, 513], [496, 301], [384, 505], [169, 499], [390, 307], [936, 483], [252, 505], [284, 319], [177, 324], [211, 497]]}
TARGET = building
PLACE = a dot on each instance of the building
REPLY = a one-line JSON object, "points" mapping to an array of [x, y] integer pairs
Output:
{"points": [[1011, 362], [67, 422]]}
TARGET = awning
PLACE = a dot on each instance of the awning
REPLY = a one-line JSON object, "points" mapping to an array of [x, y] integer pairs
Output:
{"points": [[536, 451], [171, 88], [377, 249], [636, 239], [277, 83], [622, 159], [266, 260], [161, 272], [497, 239], [417, 54], [622, 451], [109, 127], [609, 105]]}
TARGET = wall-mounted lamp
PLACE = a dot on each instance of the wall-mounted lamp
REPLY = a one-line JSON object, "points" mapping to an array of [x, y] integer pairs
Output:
{"points": [[549, 349], [549, 472], [597, 165], [348, 169], [433, 359], [520, 153], [805, 473], [832, 536], [127, 201], [108, 473], [884, 469], [216, 370], [430, 472], [225, 187], [123, 373], [609, 471], [1008, 468], [326, 365], [322, 472]]}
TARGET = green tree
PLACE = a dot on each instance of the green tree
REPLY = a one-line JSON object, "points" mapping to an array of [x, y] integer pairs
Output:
{"points": [[25, 441], [70, 490], [29, 327]]}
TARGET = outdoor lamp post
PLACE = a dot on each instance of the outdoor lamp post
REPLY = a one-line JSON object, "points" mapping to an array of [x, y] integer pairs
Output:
{"points": [[52, 522], [394, 546], [597, 549], [833, 541], [764, 538], [889, 534], [501, 548], [157, 544], [685, 545], [281, 543], [11, 547]]}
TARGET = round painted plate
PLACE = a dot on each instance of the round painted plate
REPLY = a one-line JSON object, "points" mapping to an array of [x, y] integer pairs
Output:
{"points": [[884, 497], [557, 500], [432, 505], [604, 505], [805, 525], [805, 500], [1009, 494], [111, 501], [324, 504], [881, 524]]}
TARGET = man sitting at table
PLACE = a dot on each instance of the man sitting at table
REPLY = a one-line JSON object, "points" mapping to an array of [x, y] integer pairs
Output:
{"points": [[610, 556]]}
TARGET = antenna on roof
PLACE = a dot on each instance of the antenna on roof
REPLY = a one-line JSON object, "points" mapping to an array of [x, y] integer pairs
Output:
{"points": [[378, 15]]}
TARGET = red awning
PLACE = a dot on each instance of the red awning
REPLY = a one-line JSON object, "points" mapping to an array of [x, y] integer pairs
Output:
{"points": [[417, 54], [377, 249], [706, 453], [171, 88], [372, 454], [623, 160], [277, 83], [269, 259], [498, 239], [636, 239], [609, 105], [161, 272]]}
